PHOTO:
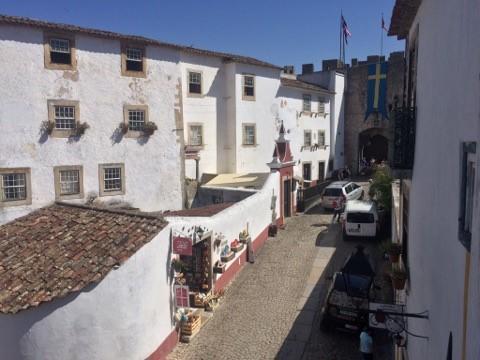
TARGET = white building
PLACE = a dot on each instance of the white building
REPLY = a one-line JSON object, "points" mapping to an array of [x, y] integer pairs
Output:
{"points": [[57, 78], [439, 206]]}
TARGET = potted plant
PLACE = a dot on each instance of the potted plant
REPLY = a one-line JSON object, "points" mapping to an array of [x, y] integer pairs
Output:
{"points": [[149, 128], [81, 128], [123, 127], [243, 236], [394, 250], [178, 265], [272, 230], [236, 246], [47, 127], [399, 277]]}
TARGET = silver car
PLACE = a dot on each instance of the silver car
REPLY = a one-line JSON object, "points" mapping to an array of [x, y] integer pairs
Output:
{"points": [[337, 190]]}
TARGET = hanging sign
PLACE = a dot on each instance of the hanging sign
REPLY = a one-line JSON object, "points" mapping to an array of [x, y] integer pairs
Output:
{"points": [[182, 245], [182, 298]]}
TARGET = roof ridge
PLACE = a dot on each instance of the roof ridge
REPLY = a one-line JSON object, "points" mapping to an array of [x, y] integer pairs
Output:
{"points": [[134, 213]]}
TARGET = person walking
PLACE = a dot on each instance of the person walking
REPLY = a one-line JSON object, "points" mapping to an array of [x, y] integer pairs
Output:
{"points": [[366, 344], [337, 209]]}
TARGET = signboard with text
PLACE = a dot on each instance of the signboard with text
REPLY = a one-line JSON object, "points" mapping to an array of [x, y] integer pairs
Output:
{"points": [[182, 245]]}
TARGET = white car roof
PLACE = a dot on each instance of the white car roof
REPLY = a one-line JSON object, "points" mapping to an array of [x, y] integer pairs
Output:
{"points": [[360, 206], [338, 184]]}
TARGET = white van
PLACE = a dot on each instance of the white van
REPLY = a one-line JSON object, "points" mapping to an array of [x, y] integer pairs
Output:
{"points": [[360, 219]]}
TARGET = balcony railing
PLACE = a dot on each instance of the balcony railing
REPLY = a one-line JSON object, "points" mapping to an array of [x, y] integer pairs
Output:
{"points": [[404, 138]]}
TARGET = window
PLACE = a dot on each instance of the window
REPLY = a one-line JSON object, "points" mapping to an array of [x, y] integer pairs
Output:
{"points": [[307, 102], [195, 135], [321, 138], [68, 182], [135, 116], [64, 114], [15, 187], [321, 106], [248, 87], [307, 138], [321, 171], [112, 179], [59, 51], [133, 60], [249, 136], [467, 193], [194, 83]]}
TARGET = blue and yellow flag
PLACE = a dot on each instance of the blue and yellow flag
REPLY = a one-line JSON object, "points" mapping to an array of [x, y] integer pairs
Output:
{"points": [[377, 90]]}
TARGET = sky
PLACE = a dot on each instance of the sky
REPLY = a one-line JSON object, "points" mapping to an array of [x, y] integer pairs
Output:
{"points": [[278, 31]]}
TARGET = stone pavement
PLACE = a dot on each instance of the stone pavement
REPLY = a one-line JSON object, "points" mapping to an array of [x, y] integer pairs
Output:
{"points": [[272, 309]]}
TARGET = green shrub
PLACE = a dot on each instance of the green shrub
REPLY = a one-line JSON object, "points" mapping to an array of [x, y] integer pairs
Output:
{"points": [[381, 187]]}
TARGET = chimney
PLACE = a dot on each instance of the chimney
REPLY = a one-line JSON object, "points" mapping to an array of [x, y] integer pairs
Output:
{"points": [[289, 69], [307, 69]]}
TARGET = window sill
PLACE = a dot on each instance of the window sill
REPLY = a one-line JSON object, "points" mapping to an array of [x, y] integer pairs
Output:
{"points": [[195, 95], [5, 204], [250, 145], [196, 147], [137, 74], [56, 66], [70, 197], [63, 134], [111, 193], [248, 98]]}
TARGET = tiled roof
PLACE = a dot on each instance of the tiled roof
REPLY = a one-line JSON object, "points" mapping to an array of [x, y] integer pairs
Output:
{"points": [[303, 85], [61, 248], [203, 211], [403, 14], [16, 20]]}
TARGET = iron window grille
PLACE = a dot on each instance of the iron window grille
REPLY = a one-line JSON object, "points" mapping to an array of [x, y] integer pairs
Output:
{"points": [[134, 59], [14, 187], [112, 179], [307, 102], [248, 86], [65, 117], [136, 120], [60, 51], [194, 83], [69, 182]]}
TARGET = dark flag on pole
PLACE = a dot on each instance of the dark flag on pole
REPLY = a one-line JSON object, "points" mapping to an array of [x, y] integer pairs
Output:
{"points": [[384, 27], [346, 30]]}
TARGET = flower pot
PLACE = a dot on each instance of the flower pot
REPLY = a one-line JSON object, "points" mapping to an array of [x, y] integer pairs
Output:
{"points": [[219, 268], [229, 256], [237, 248], [272, 230]]}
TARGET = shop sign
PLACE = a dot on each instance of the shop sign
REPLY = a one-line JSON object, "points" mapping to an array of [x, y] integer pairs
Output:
{"points": [[182, 245], [182, 298]]}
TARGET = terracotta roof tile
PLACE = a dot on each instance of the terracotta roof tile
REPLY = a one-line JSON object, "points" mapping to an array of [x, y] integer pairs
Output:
{"points": [[24, 21], [59, 249]]}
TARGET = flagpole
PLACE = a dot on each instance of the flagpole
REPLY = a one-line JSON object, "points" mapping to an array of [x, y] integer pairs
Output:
{"points": [[341, 36], [381, 38]]}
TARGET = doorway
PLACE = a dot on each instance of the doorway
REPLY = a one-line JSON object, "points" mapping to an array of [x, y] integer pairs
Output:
{"points": [[375, 147], [287, 198], [307, 171], [321, 171]]}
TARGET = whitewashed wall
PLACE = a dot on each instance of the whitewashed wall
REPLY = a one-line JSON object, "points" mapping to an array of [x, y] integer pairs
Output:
{"points": [[290, 107], [126, 316], [448, 108], [337, 84], [153, 169], [254, 211]]}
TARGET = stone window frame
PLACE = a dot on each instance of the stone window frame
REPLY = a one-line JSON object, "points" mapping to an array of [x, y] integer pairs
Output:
{"points": [[130, 73], [28, 187], [65, 133], [324, 138], [56, 175], [101, 182], [47, 36], [248, 97], [190, 133], [126, 109], [321, 106], [305, 132], [304, 98], [244, 134], [190, 94]]}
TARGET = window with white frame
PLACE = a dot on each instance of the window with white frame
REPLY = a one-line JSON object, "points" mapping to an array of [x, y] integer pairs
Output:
{"points": [[321, 106], [136, 119], [248, 87], [14, 187], [249, 136], [307, 102], [307, 138], [194, 82], [60, 51], [321, 137], [64, 117], [467, 193], [195, 135], [112, 179], [68, 182], [134, 59]]}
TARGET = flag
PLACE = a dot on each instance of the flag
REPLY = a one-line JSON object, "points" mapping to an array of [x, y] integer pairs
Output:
{"points": [[384, 27], [346, 31]]}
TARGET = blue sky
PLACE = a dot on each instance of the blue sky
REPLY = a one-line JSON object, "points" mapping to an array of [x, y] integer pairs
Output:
{"points": [[278, 31]]}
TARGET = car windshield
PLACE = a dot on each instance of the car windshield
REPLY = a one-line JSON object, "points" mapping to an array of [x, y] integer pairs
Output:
{"points": [[332, 192], [360, 217], [353, 285]]}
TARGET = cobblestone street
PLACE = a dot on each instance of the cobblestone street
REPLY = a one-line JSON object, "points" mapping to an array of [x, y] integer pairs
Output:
{"points": [[272, 308]]}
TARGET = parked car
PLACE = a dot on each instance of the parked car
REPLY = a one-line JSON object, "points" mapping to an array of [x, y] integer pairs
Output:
{"points": [[338, 189], [349, 295], [360, 219]]}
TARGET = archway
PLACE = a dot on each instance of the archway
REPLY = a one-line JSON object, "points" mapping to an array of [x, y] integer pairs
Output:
{"points": [[373, 147]]}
